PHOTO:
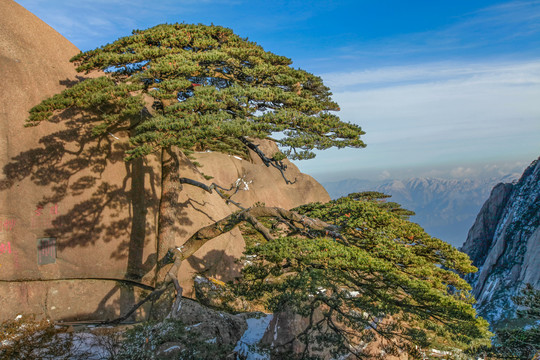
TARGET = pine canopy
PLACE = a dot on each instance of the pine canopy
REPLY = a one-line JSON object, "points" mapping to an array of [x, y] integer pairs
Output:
{"points": [[208, 87], [362, 266], [376, 274]]}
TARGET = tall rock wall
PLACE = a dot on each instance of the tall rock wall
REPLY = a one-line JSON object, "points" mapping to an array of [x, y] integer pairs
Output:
{"points": [[504, 243], [78, 225], [71, 210]]}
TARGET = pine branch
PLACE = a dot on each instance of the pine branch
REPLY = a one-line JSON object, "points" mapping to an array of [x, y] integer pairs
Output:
{"points": [[209, 232], [210, 189], [278, 164]]}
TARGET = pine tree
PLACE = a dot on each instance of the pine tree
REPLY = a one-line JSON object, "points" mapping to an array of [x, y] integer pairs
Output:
{"points": [[210, 89], [365, 272], [183, 88]]}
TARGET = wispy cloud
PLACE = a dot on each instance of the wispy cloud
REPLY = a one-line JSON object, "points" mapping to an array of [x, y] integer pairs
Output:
{"points": [[520, 73], [463, 103], [438, 113], [90, 23]]}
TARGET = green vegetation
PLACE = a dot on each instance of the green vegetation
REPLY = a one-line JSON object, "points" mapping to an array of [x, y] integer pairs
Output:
{"points": [[27, 338], [355, 267], [208, 89], [157, 340], [371, 274]]}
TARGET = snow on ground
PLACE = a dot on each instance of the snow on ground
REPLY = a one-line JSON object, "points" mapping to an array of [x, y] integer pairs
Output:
{"points": [[247, 345]]}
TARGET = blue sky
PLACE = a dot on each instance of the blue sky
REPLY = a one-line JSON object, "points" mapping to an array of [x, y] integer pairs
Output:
{"points": [[448, 89]]}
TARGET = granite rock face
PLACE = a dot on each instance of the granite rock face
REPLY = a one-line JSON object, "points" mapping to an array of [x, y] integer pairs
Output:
{"points": [[76, 220], [504, 243]]}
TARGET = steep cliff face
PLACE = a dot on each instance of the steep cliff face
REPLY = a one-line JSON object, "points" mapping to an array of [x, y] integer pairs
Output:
{"points": [[504, 243]]}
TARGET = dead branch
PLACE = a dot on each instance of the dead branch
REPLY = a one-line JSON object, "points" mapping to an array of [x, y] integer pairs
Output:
{"points": [[278, 164], [210, 189]]}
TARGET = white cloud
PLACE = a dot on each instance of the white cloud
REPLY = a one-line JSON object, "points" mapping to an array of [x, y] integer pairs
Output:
{"points": [[463, 172], [449, 104], [523, 73], [384, 175], [438, 114]]}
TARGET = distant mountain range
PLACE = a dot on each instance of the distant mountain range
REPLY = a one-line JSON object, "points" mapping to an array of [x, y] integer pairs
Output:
{"points": [[445, 208]]}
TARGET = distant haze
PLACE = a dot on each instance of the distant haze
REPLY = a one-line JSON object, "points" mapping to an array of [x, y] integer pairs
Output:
{"points": [[445, 208]]}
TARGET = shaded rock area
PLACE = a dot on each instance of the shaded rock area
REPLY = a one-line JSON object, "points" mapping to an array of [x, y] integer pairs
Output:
{"points": [[77, 219], [220, 327], [281, 336], [70, 207], [504, 243], [481, 234], [70, 300]]}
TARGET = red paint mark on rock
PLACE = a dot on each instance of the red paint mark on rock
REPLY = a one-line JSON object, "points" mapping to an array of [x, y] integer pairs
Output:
{"points": [[7, 224], [42, 218], [5, 248]]}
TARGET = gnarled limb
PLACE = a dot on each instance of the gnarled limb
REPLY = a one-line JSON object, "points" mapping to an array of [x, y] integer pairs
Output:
{"points": [[278, 164], [207, 233], [178, 254], [210, 189]]}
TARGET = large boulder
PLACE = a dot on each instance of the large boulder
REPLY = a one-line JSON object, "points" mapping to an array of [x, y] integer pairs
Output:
{"points": [[75, 218], [71, 209]]}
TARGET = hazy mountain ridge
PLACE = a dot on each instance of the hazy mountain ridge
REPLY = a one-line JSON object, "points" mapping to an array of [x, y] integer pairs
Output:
{"points": [[446, 208]]}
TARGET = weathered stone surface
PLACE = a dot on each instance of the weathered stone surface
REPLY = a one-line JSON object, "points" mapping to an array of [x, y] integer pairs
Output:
{"points": [[211, 324], [282, 332], [480, 237], [259, 183], [284, 328], [96, 212], [70, 300], [504, 245]]}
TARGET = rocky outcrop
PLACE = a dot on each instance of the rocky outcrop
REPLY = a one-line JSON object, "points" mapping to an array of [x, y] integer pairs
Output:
{"points": [[76, 220], [74, 216], [481, 233], [504, 243]]}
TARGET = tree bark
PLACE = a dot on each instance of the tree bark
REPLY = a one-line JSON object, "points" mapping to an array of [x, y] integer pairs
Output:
{"points": [[168, 230]]}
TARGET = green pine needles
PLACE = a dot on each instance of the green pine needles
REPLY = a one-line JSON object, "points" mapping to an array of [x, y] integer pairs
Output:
{"points": [[374, 276], [201, 87], [356, 268]]}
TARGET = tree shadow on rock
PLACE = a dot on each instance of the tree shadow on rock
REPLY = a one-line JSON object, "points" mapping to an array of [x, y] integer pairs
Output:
{"points": [[90, 197], [215, 268]]}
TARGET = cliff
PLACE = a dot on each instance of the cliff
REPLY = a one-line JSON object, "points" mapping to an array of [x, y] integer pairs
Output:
{"points": [[504, 243]]}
